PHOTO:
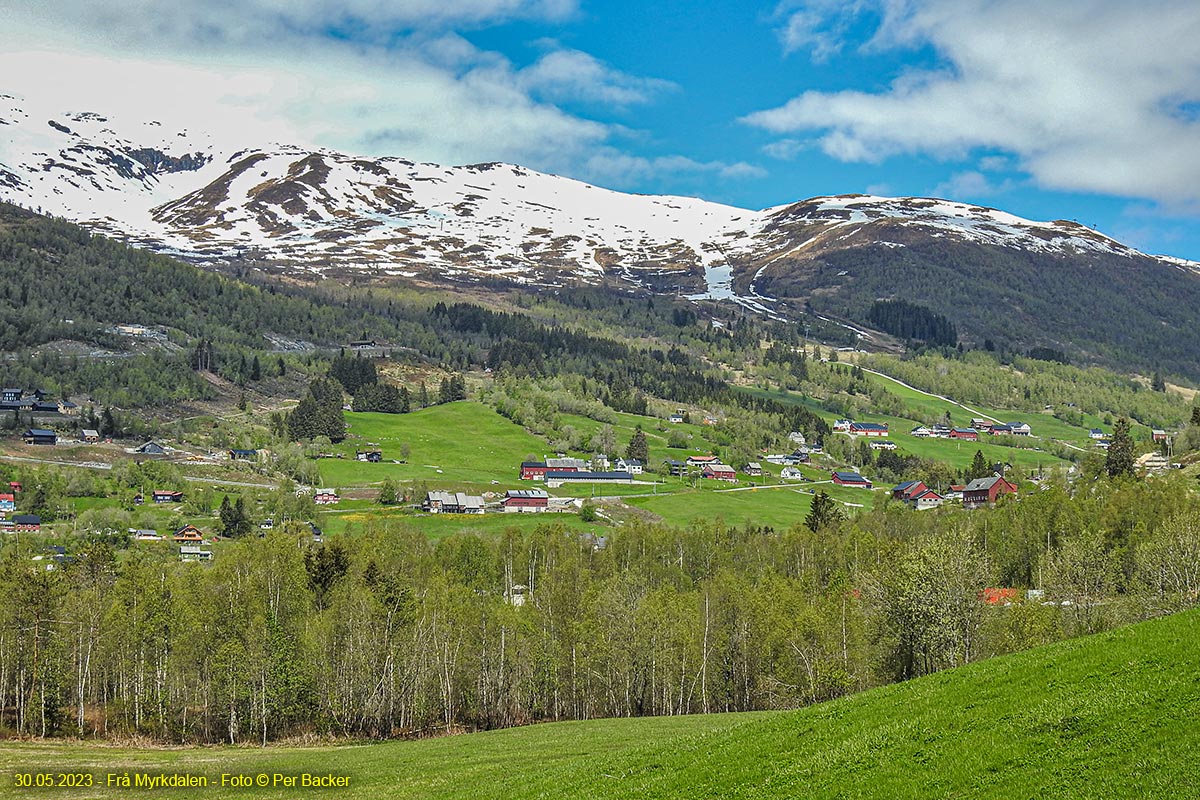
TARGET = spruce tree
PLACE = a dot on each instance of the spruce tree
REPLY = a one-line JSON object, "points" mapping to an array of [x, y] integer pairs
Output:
{"points": [[228, 516], [824, 512], [638, 448], [1119, 461], [979, 467]]}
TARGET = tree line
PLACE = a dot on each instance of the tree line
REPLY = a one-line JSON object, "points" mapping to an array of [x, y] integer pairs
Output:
{"points": [[380, 632]]}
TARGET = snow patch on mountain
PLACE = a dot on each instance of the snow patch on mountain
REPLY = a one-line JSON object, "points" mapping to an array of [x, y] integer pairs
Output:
{"points": [[321, 212]]}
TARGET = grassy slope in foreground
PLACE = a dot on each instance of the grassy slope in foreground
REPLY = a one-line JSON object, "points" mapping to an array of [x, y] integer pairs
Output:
{"points": [[1109, 716]]}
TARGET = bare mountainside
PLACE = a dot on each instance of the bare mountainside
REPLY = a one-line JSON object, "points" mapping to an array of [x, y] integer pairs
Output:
{"points": [[325, 214]]}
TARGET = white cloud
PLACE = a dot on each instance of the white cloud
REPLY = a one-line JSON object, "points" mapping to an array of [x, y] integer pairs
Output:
{"points": [[426, 94], [149, 24], [363, 76], [1091, 97], [575, 75], [970, 185], [818, 26], [785, 149], [622, 170]]}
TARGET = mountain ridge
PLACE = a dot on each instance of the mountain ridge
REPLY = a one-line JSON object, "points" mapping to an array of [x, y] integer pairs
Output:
{"points": [[319, 214]]}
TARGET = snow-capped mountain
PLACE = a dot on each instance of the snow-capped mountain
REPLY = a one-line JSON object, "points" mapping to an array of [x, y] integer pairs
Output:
{"points": [[326, 213]]}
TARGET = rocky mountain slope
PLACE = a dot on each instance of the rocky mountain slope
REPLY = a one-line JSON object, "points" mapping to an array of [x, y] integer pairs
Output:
{"points": [[327, 214]]}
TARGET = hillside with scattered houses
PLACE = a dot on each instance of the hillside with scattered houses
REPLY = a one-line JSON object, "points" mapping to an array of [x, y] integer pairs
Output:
{"points": [[576, 506]]}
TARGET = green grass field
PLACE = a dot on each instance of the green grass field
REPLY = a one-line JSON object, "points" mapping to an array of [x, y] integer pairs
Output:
{"points": [[955, 453], [472, 446], [438, 526], [468, 442], [1108, 716]]}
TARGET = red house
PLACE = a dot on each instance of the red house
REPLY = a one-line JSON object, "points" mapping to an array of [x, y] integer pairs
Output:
{"points": [[525, 501], [986, 491], [917, 495], [965, 434], [536, 470], [27, 522], [720, 472], [868, 429], [904, 490], [533, 470], [851, 479]]}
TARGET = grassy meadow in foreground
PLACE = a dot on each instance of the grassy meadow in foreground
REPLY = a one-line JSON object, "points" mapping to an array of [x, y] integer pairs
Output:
{"points": [[1108, 716]]}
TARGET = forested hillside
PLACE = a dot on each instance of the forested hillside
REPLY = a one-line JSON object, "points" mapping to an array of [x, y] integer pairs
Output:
{"points": [[1123, 312]]}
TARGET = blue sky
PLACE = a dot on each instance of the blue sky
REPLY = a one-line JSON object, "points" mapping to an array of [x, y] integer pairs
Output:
{"points": [[1081, 110]]}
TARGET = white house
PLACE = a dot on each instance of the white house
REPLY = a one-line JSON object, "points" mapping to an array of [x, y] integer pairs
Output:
{"points": [[630, 465]]}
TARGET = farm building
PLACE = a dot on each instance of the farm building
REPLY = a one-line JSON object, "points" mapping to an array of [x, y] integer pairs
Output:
{"points": [[720, 472], [964, 434], [438, 502], [986, 491], [40, 436], [917, 495], [851, 479], [536, 470], [525, 501], [868, 429], [166, 496], [555, 479], [27, 522]]}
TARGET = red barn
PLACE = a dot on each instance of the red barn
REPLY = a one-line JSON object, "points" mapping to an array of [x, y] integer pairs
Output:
{"points": [[986, 491], [720, 472], [526, 501], [851, 479]]}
